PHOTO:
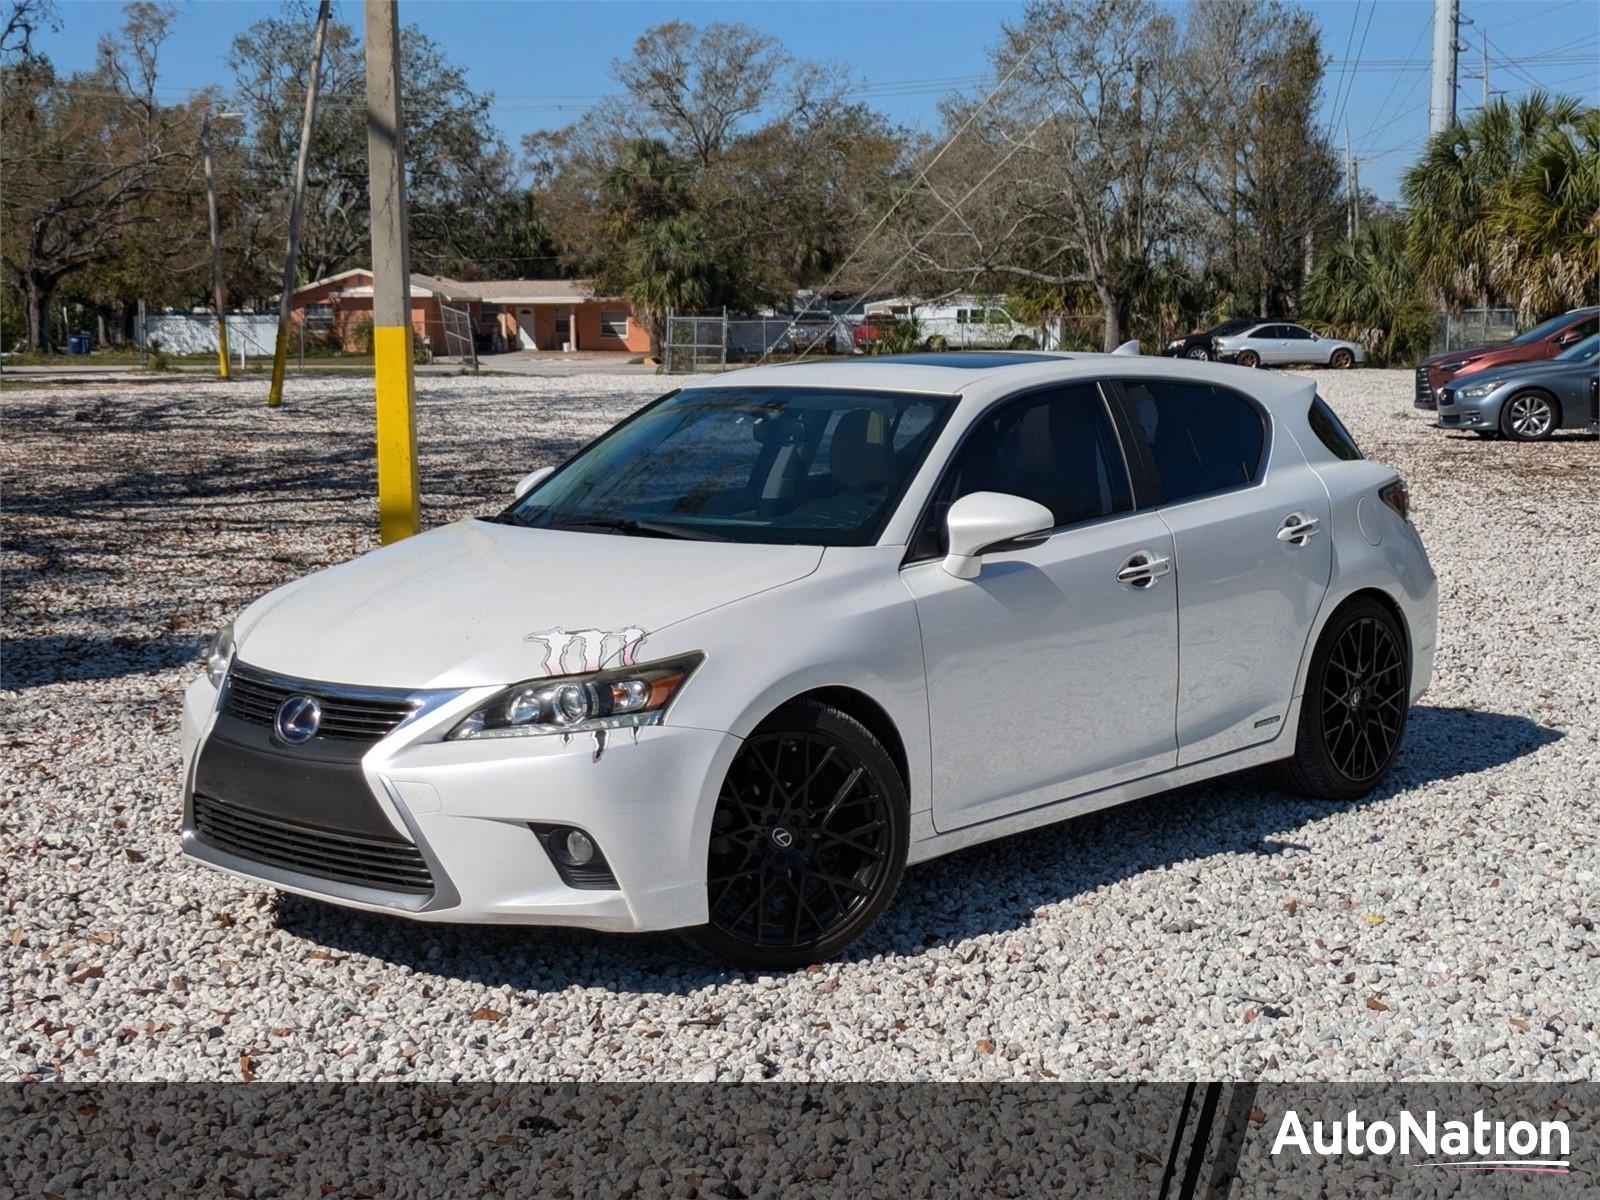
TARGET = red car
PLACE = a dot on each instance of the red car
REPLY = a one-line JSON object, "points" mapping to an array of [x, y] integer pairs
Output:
{"points": [[1540, 342]]}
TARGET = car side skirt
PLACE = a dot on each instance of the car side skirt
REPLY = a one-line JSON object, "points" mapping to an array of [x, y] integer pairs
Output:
{"points": [[927, 844]]}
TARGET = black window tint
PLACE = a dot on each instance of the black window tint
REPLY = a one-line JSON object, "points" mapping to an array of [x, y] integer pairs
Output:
{"points": [[1201, 438], [1268, 331], [1295, 331], [1331, 432], [1057, 448], [1586, 328]]}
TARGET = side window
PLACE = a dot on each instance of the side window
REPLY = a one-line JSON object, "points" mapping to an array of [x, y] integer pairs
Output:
{"points": [[1586, 328], [1296, 332], [1201, 438], [1331, 432], [1057, 448]]}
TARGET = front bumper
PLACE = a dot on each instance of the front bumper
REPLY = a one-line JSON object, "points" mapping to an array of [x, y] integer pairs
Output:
{"points": [[1480, 413], [645, 799], [1424, 397]]}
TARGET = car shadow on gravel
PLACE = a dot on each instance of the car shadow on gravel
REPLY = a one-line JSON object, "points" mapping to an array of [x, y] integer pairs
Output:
{"points": [[991, 889]]}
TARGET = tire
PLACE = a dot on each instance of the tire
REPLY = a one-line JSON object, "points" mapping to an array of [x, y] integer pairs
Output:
{"points": [[1248, 358], [1198, 353], [1357, 700], [936, 344], [817, 883], [1529, 417], [1023, 342], [1342, 360]]}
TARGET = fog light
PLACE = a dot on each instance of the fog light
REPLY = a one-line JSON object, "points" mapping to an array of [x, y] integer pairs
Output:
{"points": [[576, 848]]}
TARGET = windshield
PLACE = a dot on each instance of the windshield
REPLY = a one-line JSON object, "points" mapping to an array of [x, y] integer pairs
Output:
{"points": [[775, 464], [1581, 351], [1542, 331], [1236, 325]]}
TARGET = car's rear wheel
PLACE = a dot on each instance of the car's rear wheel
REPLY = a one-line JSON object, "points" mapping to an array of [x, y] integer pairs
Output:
{"points": [[1342, 360], [1248, 358], [1528, 417], [1023, 342], [808, 841], [937, 343], [1357, 699], [1198, 353]]}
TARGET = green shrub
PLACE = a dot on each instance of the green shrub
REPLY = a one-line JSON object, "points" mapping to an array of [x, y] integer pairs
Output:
{"points": [[360, 336]]}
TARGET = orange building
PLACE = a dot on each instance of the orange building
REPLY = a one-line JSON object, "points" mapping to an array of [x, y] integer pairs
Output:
{"points": [[528, 314]]}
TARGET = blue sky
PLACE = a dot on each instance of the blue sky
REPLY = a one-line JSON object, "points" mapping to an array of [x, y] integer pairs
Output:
{"points": [[544, 61]]}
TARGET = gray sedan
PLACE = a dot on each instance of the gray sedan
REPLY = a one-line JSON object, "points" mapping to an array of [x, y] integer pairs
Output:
{"points": [[1281, 344], [1525, 401]]}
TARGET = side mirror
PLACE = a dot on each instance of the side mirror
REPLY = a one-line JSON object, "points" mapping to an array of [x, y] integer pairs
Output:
{"points": [[531, 480], [987, 522]]}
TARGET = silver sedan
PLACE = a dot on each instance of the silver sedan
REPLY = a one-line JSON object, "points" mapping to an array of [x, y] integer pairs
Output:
{"points": [[1281, 344]]}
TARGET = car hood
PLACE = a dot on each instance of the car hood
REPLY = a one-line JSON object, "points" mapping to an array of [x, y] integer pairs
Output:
{"points": [[1524, 370], [1501, 352], [482, 603]]}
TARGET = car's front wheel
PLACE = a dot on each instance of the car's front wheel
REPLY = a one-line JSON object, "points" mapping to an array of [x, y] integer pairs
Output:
{"points": [[1357, 699], [808, 841], [1198, 353], [1528, 417], [937, 344]]}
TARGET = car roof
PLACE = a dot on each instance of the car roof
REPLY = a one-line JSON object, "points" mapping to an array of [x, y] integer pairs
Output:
{"points": [[984, 376]]}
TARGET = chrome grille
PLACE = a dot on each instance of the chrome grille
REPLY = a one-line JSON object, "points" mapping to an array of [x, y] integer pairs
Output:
{"points": [[1424, 392], [347, 714], [389, 866]]}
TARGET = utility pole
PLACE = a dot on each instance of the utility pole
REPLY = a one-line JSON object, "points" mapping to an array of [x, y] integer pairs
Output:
{"points": [[1446, 43], [280, 350], [1484, 38], [398, 515], [219, 289], [1355, 198], [1350, 188]]}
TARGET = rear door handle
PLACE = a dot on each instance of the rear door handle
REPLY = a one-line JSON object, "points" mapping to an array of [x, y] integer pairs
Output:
{"points": [[1298, 528], [1143, 568]]}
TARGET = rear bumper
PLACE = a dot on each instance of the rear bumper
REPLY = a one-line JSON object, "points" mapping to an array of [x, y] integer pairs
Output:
{"points": [[466, 808]]}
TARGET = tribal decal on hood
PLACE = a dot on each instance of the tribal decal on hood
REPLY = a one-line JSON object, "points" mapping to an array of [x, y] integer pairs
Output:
{"points": [[583, 651]]}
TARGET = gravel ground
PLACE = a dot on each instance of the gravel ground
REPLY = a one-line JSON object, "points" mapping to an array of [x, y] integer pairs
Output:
{"points": [[1443, 929]]}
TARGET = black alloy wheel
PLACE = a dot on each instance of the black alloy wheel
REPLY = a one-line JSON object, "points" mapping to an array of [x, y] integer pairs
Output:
{"points": [[808, 841], [1357, 699]]}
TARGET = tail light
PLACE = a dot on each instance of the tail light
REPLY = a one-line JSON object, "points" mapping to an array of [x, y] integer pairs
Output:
{"points": [[1398, 497]]}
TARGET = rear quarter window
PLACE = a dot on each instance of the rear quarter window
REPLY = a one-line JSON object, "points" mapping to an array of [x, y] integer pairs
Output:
{"points": [[1200, 438], [1331, 432]]}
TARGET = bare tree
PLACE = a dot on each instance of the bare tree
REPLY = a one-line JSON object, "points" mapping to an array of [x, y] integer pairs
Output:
{"points": [[79, 158], [696, 85], [1068, 174]]}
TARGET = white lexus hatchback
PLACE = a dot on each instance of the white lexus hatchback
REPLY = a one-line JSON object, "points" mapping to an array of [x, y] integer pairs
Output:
{"points": [[736, 663]]}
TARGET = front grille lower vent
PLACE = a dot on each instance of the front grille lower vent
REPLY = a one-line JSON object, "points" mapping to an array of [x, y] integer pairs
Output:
{"points": [[346, 715], [389, 866], [1424, 392]]}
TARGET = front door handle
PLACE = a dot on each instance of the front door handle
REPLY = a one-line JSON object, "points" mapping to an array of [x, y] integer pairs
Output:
{"points": [[1298, 528], [1143, 568]]}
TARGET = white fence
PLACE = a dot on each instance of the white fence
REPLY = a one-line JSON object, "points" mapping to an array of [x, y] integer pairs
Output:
{"points": [[252, 334]]}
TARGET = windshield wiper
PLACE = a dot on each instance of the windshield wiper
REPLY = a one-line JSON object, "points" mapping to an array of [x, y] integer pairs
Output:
{"points": [[632, 528]]}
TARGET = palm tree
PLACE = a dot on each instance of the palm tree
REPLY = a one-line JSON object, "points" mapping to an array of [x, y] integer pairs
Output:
{"points": [[1456, 189], [1368, 291], [1548, 228], [664, 260]]}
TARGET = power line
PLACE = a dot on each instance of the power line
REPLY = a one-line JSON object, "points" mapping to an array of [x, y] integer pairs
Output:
{"points": [[1359, 51]]}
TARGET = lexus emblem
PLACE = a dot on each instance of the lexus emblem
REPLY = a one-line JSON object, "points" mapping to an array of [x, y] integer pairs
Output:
{"points": [[297, 719], [781, 837]]}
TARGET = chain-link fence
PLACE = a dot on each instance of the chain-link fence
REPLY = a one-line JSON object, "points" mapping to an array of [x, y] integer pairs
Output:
{"points": [[459, 339], [1474, 327], [691, 344]]}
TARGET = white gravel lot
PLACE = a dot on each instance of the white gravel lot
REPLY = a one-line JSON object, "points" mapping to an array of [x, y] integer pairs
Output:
{"points": [[1443, 929]]}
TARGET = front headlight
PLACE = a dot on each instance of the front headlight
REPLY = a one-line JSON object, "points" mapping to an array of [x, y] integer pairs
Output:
{"points": [[624, 698], [1476, 391], [219, 655]]}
